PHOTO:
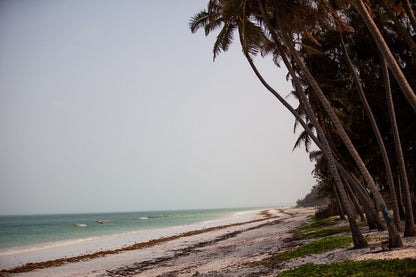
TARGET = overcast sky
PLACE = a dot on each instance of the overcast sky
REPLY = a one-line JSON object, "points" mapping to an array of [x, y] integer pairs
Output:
{"points": [[116, 106]]}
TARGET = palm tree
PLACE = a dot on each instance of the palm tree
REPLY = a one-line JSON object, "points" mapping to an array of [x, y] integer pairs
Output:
{"points": [[358, 239], [376, 130], [386, 53], [249, 42], [395, 240], [409, 227]]}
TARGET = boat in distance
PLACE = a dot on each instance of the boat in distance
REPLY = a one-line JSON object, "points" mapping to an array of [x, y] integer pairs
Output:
{"points": [[102, 221]]}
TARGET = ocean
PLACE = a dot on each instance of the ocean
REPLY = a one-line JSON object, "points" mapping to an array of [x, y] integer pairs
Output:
{"points": [[31, 238]]}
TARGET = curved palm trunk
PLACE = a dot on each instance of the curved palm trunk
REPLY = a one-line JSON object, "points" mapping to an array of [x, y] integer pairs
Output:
{"points": [[386, 53], [409, 227], [400, 195], [354, 199], [394, 237], [376, 130], [373, 219], [339, 202], [358, 239]]}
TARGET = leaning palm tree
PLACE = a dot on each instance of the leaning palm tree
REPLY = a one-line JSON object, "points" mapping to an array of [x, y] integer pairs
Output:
{"points": [[250, 43], [376, 130], [410, 223], [279, 34], [358, 239]]}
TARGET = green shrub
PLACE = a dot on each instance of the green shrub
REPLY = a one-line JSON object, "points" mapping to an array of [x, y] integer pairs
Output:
{"points": [[321, 232], [314, 247], [379, 268], [318, 228]]}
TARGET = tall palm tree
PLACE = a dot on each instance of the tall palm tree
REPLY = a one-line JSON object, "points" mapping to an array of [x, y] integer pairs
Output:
{"points": [[358, 239], [410, 223], [376, 130], [283, 36], [249, 42], [386, 53]]}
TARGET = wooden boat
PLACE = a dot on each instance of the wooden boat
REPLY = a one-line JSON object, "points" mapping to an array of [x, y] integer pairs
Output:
{"points": [[102, 221]]}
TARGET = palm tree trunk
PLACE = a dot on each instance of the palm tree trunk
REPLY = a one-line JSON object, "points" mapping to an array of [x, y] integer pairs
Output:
{"points": [[400, 196], [339, 203], [376, 130], [409, 230], [373, 219], [358, 239], [354, 199], [394, 240], [386, 53]]}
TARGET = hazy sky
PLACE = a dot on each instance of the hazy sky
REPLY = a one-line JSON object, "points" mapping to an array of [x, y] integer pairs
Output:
{"points": [[116, 106]]}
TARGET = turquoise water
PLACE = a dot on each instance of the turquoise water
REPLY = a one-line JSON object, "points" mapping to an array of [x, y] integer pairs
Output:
{"points": [[28, 230]]}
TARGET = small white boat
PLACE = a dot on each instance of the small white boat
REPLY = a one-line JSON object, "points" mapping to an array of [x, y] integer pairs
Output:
{"points": [[143, 217], [79, 225], [102, 221]]}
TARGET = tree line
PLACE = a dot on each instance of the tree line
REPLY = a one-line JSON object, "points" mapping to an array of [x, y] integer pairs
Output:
{"points": [[353, 69]]}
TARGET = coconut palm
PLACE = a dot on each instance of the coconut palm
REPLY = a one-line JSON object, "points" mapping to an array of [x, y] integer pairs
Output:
{"points": [[250, 42], [358, 239], [376, 130], [284, 37], [409, 227]]}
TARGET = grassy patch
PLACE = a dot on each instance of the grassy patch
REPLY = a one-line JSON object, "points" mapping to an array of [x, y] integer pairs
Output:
{"points": [[318, 228], [314, 247], [380, 268], [315, 225], [320, 232]]}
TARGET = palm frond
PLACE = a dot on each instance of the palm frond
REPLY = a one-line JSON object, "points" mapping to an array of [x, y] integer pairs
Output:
{"points": [[198, 21], [305, 139], [311, 50], [224, 39], [253, 38], [315, 155]]}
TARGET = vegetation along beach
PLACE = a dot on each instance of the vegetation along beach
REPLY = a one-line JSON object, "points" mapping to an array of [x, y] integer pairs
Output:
{"points": [[161, 139]]}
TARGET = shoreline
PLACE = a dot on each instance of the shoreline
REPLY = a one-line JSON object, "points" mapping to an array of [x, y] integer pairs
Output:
{"points": [[114, 236], [136, 246], [227, 250]]}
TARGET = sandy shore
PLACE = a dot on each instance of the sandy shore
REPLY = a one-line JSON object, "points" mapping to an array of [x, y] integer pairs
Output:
{"points": [[229, 251]]}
